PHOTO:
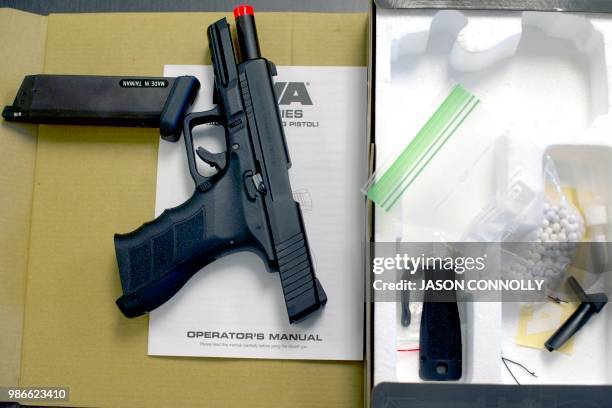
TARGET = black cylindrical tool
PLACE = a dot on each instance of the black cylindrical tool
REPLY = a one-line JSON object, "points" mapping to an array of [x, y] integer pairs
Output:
{"points": [[591, 304], [247, 32]]}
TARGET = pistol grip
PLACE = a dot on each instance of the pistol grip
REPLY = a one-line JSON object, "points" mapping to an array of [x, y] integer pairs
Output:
{"points": [[158, 258]]}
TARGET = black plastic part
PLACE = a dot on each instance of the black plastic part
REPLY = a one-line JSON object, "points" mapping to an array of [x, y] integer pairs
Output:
{"points": [[440, 356], [406, 315], [248, 42], [215, 160], [181, 97], [105, 100], [591, 304]]}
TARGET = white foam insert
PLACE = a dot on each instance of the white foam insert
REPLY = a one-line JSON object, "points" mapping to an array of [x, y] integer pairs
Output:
{"points": [[549, 68]]}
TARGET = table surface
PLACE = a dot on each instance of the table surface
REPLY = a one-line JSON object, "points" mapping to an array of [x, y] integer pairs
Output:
{"points": [[91, 6]]}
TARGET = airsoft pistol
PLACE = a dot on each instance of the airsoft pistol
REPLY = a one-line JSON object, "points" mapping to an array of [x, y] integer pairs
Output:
{"points": [[246, 205]]}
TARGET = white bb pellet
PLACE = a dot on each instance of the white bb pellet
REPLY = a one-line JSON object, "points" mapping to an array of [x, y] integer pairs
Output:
{"points": [[562, 227]]}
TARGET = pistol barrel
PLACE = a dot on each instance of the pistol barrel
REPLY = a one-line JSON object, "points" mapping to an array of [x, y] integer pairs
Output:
{"points": [[247, 33]]}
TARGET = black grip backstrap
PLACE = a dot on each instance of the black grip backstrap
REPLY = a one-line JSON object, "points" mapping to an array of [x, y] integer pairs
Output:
{"points": [[158, 258]]}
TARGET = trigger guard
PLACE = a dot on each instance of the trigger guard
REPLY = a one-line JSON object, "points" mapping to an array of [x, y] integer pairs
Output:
{"points": [[192, 120]]}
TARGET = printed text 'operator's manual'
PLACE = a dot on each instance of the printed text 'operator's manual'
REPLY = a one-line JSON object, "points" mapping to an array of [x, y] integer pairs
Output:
{"points": [[234, 307]]}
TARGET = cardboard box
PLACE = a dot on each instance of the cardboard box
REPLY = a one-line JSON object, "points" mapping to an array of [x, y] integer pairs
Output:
{"points": [[67, 189], [412, 44]]}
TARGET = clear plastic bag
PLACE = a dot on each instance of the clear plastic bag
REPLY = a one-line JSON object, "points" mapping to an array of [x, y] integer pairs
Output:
{"points": [[434, 154], [426, 186], [538, 225], [546, 250]]}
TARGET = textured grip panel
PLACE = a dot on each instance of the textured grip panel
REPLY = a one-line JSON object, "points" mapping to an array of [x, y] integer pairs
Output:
{"points": [[158, 258], [303, 292]]}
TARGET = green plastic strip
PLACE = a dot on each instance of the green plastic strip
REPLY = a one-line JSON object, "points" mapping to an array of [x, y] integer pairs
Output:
{"points": [[388, 188]]}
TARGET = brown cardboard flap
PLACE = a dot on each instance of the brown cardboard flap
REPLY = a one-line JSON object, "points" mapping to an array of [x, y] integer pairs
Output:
{"points": [[22, 41], [93, 182]]}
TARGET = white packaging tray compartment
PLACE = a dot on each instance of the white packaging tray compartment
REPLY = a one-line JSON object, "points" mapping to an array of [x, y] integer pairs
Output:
{"points": [[553, 69]]}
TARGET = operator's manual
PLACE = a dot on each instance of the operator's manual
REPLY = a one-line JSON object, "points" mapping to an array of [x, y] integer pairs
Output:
{"points": [[235, 307]]}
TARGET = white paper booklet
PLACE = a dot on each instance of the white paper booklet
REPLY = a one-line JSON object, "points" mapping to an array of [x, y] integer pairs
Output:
{"points": [[235, 307]]}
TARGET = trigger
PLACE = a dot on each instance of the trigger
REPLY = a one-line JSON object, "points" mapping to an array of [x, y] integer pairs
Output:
{"points": [[216, 160]]}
